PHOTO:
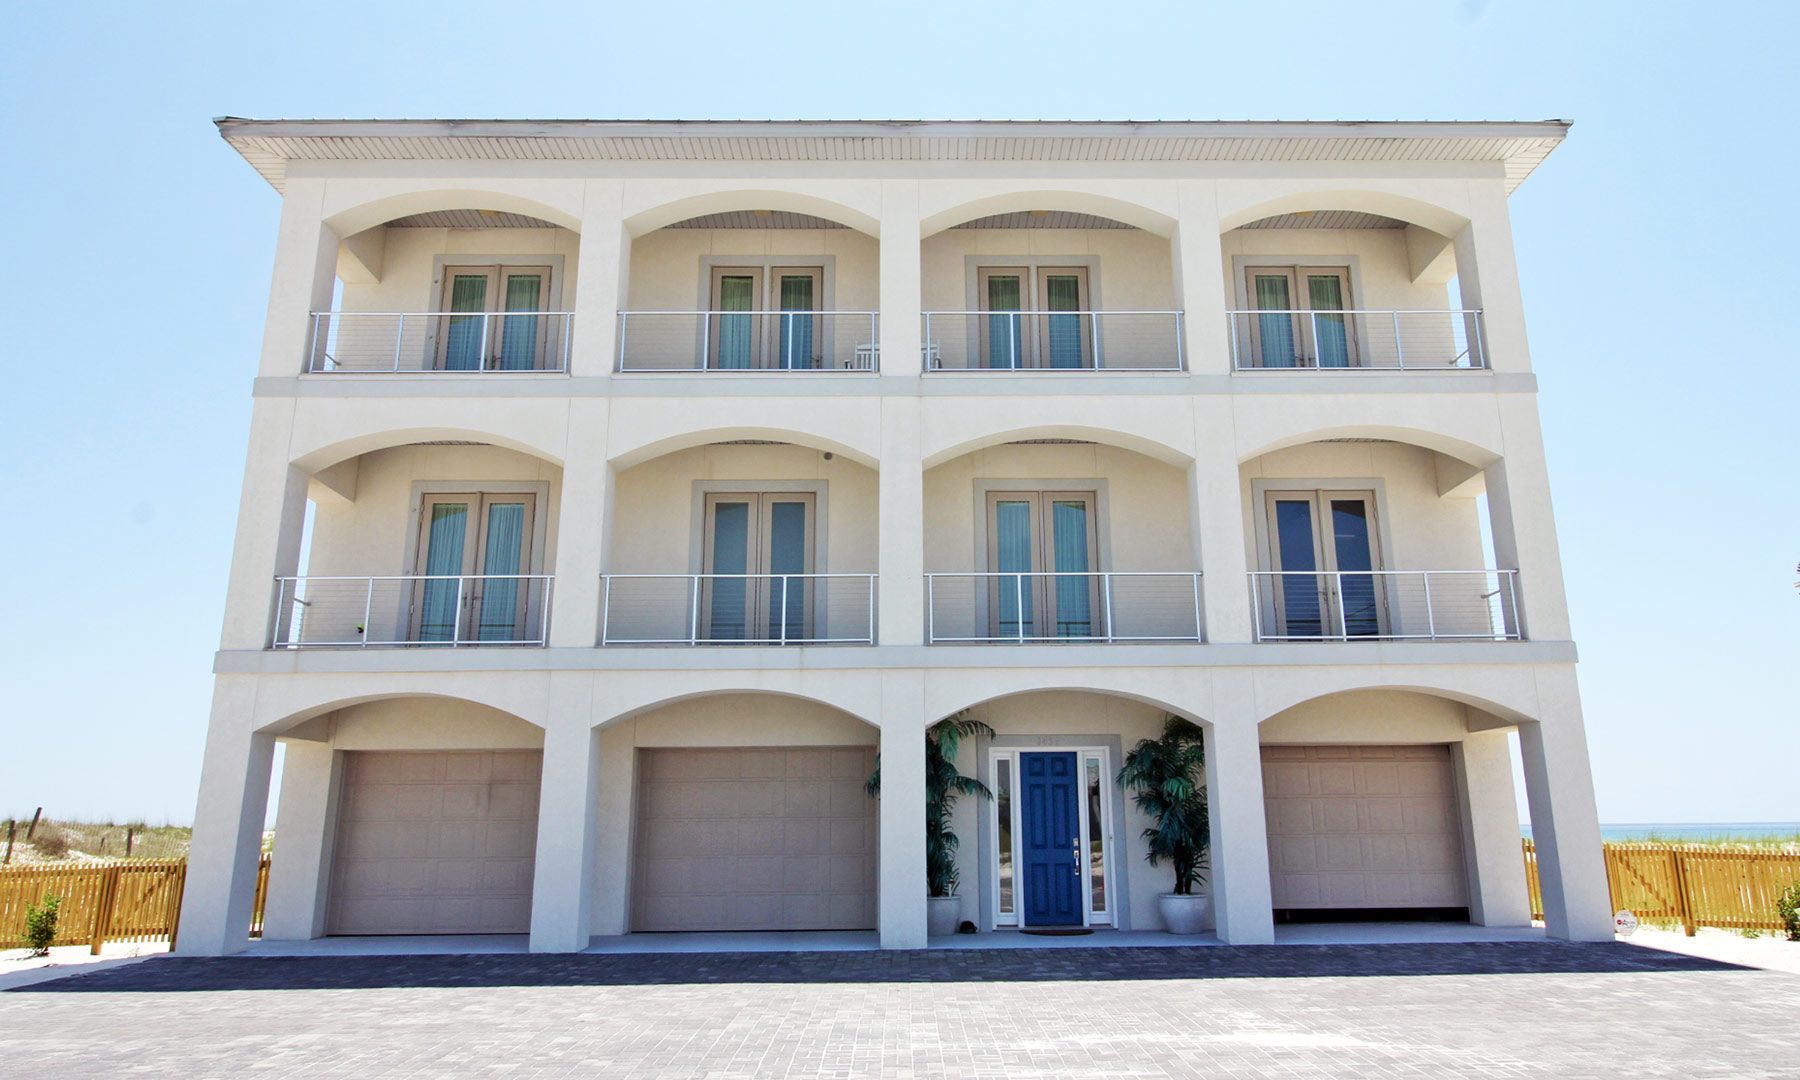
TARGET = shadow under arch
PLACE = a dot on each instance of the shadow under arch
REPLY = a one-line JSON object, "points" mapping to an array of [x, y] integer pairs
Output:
{"points": [[381, 210], [1071, 200], [652, 699], [1273, 702], [1470, 453], [704, 436], [1414, 211], [292, 715], [324, 457], [1157, 449], [937, 710], [661, 215]]}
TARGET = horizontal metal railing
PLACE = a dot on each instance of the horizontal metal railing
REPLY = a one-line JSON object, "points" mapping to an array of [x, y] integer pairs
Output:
{"points": [[1053, 341], [1015, 608], [737, 609], [1392, 605], [749, 341], [1349, 340], [411, 610], [437, 341]]}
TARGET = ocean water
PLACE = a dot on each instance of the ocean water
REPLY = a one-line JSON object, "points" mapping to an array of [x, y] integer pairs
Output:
{"points": [[1739, 830]]}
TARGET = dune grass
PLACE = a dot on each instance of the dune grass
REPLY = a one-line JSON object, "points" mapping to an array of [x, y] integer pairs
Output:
{"points": [[94, 840]]}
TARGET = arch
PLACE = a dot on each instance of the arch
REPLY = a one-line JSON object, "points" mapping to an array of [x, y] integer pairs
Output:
{"points": [[1512, 699], [640, 452], [1135, 214], [1475, 455], [1423, 213], [325, 456], [654, 695], [303, 703], [1165, 451], [943, 700], [381, 210], [655, 217]]}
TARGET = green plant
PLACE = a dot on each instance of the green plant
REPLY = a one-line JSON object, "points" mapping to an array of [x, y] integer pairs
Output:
{"points": [[1788, 904], [1166, 778], [40, 925], [943, 786]]}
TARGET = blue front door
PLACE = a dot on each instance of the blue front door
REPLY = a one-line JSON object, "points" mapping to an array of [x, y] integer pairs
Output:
{"points": [[1052, 834]]}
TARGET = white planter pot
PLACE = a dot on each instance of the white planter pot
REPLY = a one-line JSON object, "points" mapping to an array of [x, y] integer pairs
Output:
{"points": [[942, 914], [1185, 914]]}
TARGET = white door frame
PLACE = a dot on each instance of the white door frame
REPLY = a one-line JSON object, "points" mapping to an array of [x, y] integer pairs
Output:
{"points": [[1009, 756]]}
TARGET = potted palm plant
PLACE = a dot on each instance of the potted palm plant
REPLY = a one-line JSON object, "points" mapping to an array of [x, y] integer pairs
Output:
{"points": [[1166, 777], [943, 786]]}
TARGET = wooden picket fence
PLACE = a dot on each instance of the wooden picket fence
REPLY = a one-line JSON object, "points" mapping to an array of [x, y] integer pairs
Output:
{"points": [[1688, 886], [133, 900]]}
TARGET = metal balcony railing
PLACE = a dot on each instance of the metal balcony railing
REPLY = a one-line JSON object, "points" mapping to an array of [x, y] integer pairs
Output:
{"points": [[737, 609], [1357, 340], [1016, 608], [436, 341], [1386, 605], [420, 610], [748, 341], [1053, 341]]}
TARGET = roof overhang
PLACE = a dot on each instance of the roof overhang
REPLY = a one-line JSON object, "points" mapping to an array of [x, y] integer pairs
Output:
{"points": [[269, 145]]}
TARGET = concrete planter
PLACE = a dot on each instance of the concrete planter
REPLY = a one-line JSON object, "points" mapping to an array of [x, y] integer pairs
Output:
{"points": [[1185, 914], [942, 914]]}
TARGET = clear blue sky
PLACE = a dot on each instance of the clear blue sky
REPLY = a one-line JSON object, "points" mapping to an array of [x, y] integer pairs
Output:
{"points": [[140, 249]]}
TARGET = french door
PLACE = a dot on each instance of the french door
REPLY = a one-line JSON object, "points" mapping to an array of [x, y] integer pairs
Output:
{"points": [[1323, 547], [473, 550], [766, 318], [1302, 320], [1034, 319], [492, 318], [751, 539], [1043, 548]]}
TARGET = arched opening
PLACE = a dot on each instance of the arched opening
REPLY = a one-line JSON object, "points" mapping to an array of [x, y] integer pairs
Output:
{"points": [[737, 811], [763, 540], [1349, 280], [1383, 536], [1059, 540], [1393, 804], [449, 281], [1049, 281], [751, 281]]}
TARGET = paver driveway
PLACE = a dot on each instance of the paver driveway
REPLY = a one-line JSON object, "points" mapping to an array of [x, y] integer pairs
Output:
{"points": [[1488, 1009]]}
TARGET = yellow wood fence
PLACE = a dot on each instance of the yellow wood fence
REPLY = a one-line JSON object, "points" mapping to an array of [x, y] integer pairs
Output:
{"points": [[133, 900], [1688, 886]]}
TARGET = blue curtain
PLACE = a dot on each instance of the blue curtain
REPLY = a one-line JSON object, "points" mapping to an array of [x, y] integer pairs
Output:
{"points": [[1074, 607], [463, 345], [1063, 291], [1302, 613], [736, 334], [519, 333], [797, 330], [505, 551], [787, 555], [731, 546], [443, 555], [1005, 333], [1325, 293], [1274, 331], [1012, 526], [1352, 544]]}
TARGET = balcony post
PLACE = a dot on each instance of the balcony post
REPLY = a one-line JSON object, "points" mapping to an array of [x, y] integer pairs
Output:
{"points": [[900, 557], [1200, 278], [902, 885], [271, 515], [306, 254], [1483, 763], [1487, 271], [584, 524], [602, 282], [311, 774], [900, 285], [1216, 523], [1559, 787], [1524, 523], [228, 824], [1243, 911]]}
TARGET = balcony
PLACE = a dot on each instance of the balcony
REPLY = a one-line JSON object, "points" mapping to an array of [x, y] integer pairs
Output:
{"points": [[748, 341], [1053, 341], [1062, 608], [419, 610], [1386, 605], [1350, 340], [737, 609], [435, 342]]}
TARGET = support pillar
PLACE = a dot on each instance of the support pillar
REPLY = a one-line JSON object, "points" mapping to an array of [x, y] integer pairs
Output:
{"points": [[1200, 279], [226, 849], [901, 556], [902, 811], [900, 284], [584, 524], [1565, 822], [602, 280], [1242, 907], [1524, 523], [1216, 523], [1495, 858], [305, 828], [562, 884]]}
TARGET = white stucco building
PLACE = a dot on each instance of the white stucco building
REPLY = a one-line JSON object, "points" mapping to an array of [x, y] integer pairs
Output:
{"points": [[616, 491]]}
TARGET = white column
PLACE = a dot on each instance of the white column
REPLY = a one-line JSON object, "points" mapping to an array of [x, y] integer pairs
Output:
{"points": [[602, 279], [1488, 275], [1200, 278], [1497, 890], [228, 826], [306, 251], [271, 515], [1565, 823], [1239, 854], [562, 887], [305, 826], [900, 559], [583, 527], [902, 812], [1524, 522], [1216, 522], [900, 285]]}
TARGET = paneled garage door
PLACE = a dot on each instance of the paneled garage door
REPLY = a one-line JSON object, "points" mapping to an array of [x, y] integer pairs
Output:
{"points": [[755, 839], [435, 843], [1363, 827]]}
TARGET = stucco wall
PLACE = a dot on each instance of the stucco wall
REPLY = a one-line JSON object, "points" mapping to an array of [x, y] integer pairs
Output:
{"points": [[667, 274], [1381, 279], [408, 257], [1133, 272]]}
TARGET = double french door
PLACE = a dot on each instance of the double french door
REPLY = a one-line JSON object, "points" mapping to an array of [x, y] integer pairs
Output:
{"points": [[1035, 319], [753, 541], [492, 318], [1043, 552], [766, 318], [1301, 317], [473, 554], [1323, 548]]}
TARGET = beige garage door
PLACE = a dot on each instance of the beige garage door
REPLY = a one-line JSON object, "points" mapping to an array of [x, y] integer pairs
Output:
{"points": [[435, 843], [755, 839], [1363, 827]]}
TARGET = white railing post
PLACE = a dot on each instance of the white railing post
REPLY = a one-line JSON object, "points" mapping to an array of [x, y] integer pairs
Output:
{"points": [[456, 620], [1106, 584], [368, 611], [399, 340], [784, 609], [544, 614], [1199, 619], [875, 344], [705, 339], [1094, 326], [694, 610], [871, 603], [1480, 354], [930, 609], [1318, 357], [1237, 358], [1430, 616], [1019, 604], [1180, 346], [1399, 350], [605, 609], [1337, 585], [624, 324], [1256, 606]]}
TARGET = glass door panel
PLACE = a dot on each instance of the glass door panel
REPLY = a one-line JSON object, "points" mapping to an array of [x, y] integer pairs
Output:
{"points": [[522, 335], [1003, 847], [749, 539], [502, 595], [466, 290], [444, 552], [797, 344], [735, 338], [1066, 338], [1324, 550], [1002, 293], [1071, 541], [1353, 549], [1299, 593], [788, 548], [1096, 837], [728, 540], [1273, 340], [1014, 552], [1327, 296]]}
